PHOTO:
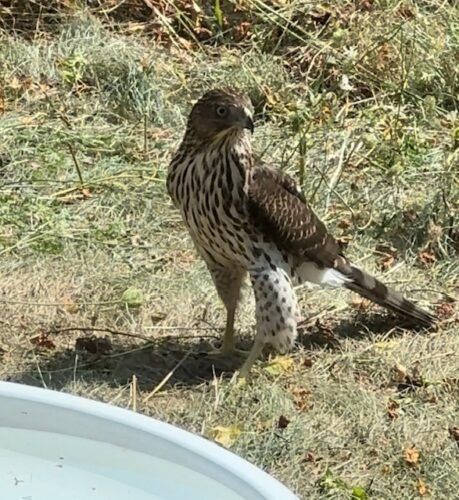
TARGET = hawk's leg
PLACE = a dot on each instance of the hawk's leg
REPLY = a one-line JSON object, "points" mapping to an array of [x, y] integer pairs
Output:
{"points": [[228, 283], [276, 313], [254, 354]]}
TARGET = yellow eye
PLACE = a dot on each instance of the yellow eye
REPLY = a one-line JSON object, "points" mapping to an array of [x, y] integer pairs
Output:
{"points": [[221, 111]]}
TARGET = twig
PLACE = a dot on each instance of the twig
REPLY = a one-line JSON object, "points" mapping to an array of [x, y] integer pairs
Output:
{"points": [[337, 174], [75, 368], [166, 378], [131, 335], [134, 392], [67, 123], [145, 136], [40, 373], [57, 304], [75, 162]]}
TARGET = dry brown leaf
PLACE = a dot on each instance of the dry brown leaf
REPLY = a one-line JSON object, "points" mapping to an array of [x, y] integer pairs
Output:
{"points": [[427, 257], [309, 456], [301, 398], [77, 195], [345, 223], [344, 240], [242, 31], [387, 256], [454, 433], [445, 310], [85, 193], [411, 456], [307, 362], [392, 410], [400, 372], [360, 303], [283, 422], [42, 341]]}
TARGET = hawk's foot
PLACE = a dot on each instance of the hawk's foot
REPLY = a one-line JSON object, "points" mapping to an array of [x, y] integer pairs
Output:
{"points": [[225, 352]]}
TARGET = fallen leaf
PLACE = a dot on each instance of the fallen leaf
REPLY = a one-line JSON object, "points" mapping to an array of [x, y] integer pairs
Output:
{"points": [[358, 493], [42, 341], [400, 372], [241, 31], [445, 310], [279, 365], [331, 482], [263, 425], [392, 409], [360, 303], [344, 240], [345, 223], [70, 306], [410, 215], [283, 422], [73, 197], [387, 345], [132, 297], [411, 456], [226, 436], [421, 487], [454, 433], [301, 398], [85, 193], [387, 255], [311, 457], [427, 257], [407, 380], [307, 362]]}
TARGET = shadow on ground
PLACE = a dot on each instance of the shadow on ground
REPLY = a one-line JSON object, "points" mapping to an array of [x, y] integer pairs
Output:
{"points": [[114, 362]]}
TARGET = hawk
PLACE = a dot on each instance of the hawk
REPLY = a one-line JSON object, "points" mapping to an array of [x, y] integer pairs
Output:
{"points": [[250, 218]]}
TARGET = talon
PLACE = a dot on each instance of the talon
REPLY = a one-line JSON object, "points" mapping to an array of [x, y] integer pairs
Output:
{"points": [[225, 352]]}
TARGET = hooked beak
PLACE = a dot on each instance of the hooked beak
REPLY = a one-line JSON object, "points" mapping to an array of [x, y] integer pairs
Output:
{"points": [[248, 123]]}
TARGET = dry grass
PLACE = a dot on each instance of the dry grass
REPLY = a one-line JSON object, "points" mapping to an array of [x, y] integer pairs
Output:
{"points": [[99, 282]]}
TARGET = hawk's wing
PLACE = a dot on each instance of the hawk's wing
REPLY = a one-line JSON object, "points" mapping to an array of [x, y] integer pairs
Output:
{"points": [[280, 210]]}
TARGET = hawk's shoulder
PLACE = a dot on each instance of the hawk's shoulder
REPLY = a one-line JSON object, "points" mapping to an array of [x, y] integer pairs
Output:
{"points": [[279, 209]]}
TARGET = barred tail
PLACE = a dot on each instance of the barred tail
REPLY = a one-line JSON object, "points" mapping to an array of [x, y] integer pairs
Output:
{"points": [[369, 287]]}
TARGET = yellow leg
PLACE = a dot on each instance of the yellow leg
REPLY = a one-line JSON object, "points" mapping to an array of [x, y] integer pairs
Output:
{"points": [[227, 348], [228, 339], [254, 354]]}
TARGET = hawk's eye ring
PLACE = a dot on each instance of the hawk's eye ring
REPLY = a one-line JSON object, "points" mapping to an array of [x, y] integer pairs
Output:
{"points": [[221, 111]]}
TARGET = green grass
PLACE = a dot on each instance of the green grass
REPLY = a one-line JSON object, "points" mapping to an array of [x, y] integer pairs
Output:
{"points": [[359, 102]]}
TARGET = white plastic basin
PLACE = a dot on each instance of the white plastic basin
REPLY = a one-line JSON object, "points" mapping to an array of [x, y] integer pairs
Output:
{"points": [[54, 446]]}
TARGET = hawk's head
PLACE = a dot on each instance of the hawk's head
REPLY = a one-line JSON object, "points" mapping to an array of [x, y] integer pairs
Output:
{"points": [[220, 111]]}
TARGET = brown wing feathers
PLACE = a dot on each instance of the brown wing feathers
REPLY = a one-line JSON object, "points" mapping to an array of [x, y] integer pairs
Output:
{"points": [[281, 211]]}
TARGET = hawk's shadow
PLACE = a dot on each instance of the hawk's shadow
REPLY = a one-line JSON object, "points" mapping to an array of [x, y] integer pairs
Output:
{"points": [[183, 362], [150, 362]]}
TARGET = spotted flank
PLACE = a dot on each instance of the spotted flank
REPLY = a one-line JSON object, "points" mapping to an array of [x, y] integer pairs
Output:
{"points": [[276, 309]]}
